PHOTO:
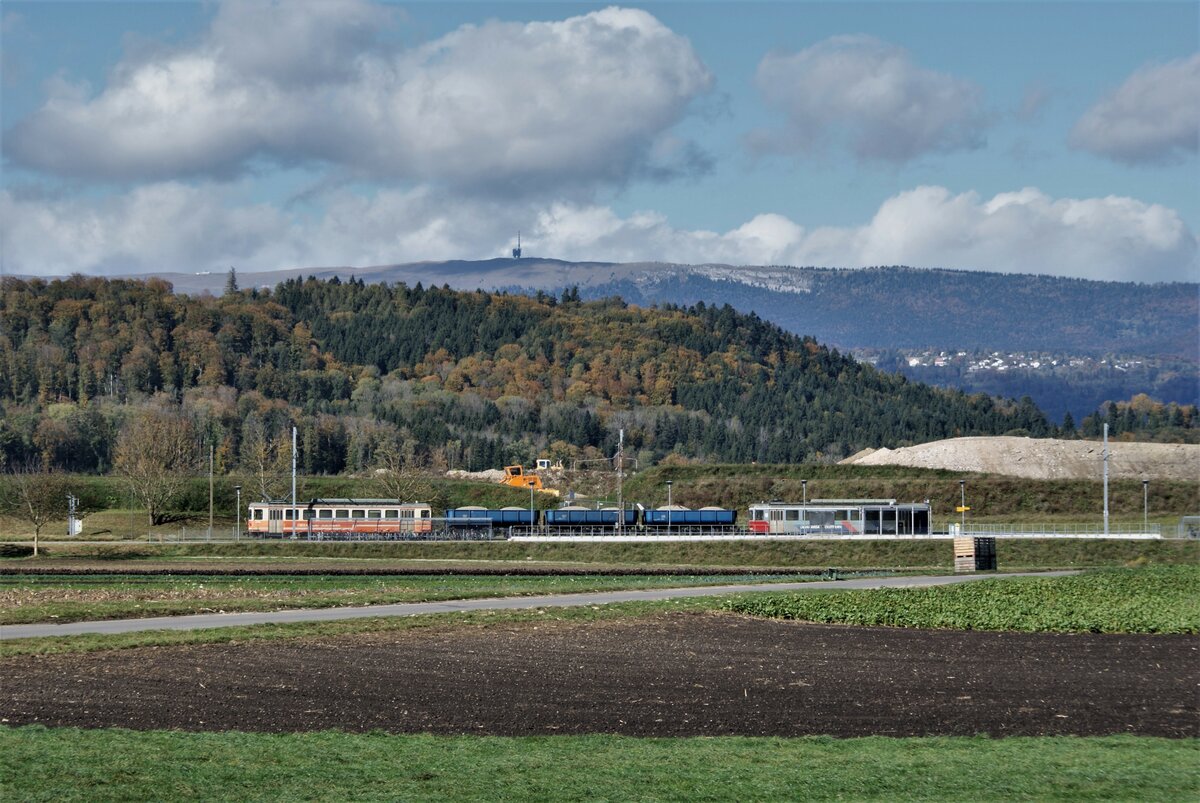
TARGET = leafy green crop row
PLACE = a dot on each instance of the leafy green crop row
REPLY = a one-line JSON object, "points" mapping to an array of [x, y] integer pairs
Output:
{"points": [[1148, 600]]}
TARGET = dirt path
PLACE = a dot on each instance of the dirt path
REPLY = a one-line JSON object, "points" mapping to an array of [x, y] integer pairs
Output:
{"points": [[209, 620], [674, 675]]}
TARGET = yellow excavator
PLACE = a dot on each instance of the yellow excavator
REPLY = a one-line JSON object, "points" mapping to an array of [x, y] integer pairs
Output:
{"points": [[518, 477]]}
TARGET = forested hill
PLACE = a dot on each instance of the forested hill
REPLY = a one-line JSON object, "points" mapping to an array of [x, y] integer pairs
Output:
{"points": [[467, 379]]}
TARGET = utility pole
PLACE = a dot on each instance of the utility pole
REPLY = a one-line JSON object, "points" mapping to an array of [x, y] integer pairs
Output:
{"points": [[1106, 480], [669, 507], [620, 480], [293, 481], [210, 490]]}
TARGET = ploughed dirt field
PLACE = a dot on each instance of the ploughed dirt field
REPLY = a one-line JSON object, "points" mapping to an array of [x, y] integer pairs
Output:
{"points": [[673, 675]]}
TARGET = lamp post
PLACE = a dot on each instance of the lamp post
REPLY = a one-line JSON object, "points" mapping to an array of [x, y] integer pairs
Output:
{"points": [[804, 506], [238, 490], [962, 505], [1145, 505], [668, 507], [530, 509]]}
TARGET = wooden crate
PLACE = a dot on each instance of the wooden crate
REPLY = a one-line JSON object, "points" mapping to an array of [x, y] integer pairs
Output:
{"points": [[975, 554]]}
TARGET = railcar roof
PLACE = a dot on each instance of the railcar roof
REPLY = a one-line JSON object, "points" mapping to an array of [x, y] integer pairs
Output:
{"points": [[343, 501]]}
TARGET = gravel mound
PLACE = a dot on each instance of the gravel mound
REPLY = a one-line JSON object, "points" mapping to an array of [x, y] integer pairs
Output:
{"points": [[1044, 458]]}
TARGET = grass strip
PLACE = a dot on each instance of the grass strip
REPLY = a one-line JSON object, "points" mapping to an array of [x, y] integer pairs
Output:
{"points": [[60, 645], [31, 599], [1162, 599], [1013, 553], [72, 764]]}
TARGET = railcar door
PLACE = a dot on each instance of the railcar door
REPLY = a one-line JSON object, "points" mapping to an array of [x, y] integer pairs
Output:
{"points": [[275, 521]]}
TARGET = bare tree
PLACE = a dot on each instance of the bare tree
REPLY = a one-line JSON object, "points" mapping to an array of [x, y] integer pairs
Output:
{"points": [[267, 458], [157, 452], [35, 496], [396, 474]]}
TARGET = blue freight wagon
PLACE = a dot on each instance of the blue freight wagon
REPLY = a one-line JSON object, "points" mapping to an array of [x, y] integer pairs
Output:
{"points": [[583, 517], [683, 518], [484, 517]]}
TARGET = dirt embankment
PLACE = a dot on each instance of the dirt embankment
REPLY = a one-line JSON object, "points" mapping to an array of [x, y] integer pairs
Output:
{"points": [[1043, 459]]}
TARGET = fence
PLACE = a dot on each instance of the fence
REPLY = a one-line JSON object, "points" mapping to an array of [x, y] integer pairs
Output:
{"points": [[192, 535], [1115, 530]]}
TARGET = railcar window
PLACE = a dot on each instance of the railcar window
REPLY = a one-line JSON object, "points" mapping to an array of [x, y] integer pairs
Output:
{"points": [[308, 514], [424, 514], [356, 514], [757, 515], [374, 514], [391, 514], [793, 515], [325, 513], [258, 514], [342, 514]]}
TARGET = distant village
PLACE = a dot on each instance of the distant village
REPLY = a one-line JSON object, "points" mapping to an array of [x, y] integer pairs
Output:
{"points": [[1028, 361]]}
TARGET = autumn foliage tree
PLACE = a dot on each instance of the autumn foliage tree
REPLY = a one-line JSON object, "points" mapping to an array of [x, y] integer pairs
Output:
{"points": [[157, 451]]}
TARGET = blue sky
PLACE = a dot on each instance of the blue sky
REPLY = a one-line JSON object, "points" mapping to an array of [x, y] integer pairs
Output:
{"points": [[1052, 138]]}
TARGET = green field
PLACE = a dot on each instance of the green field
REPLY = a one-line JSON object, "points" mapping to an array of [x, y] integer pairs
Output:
{"points": [[113, 764], [1146, 600], [70, 764]]}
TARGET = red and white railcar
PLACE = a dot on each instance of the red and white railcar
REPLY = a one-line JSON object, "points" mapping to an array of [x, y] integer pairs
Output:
{"points": [[339, 518]]}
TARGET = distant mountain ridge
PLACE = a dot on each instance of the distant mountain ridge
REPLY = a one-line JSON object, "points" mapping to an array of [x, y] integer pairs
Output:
{"points": [[873, 308], [909, 308]]}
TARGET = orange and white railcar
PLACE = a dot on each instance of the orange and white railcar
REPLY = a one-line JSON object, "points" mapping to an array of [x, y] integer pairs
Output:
{"points": [[339, 517]]}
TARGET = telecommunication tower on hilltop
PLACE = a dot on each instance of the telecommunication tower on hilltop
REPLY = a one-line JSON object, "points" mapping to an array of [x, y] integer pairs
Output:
{"points": [[517, 251]]}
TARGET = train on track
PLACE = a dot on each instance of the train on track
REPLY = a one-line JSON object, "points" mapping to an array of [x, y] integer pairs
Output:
{"points": [[390, 519], [341, 519]]}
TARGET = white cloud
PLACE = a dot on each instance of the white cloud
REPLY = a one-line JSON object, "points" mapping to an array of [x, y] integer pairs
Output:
{"points": [[873, 94], [174, 227], [510, 106], [1110, 238], [1152, 118], [1029, 232]]}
